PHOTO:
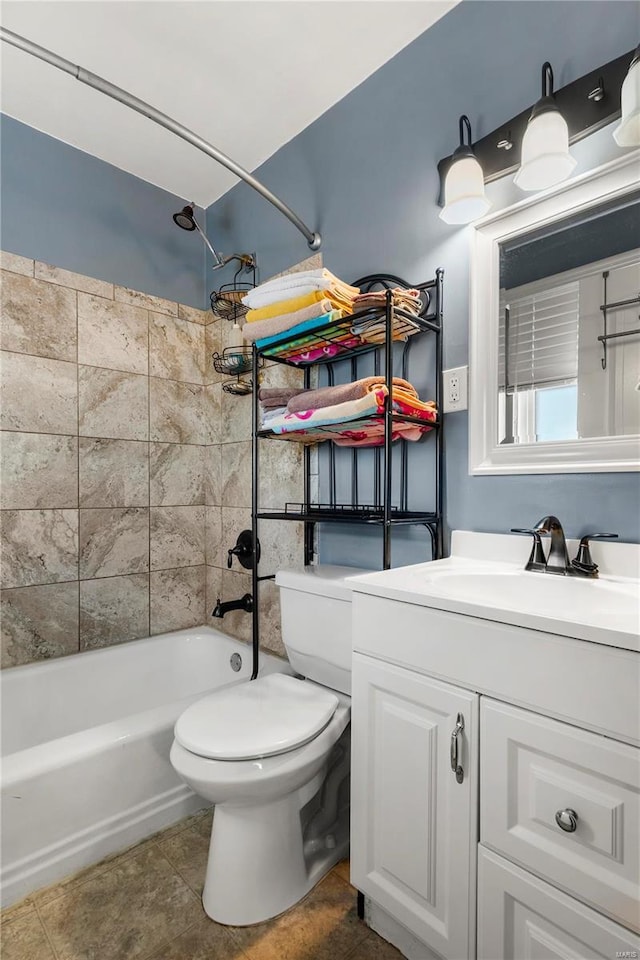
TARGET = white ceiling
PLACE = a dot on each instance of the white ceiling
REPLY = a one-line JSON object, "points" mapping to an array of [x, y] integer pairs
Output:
{"points": [[247, 75]]}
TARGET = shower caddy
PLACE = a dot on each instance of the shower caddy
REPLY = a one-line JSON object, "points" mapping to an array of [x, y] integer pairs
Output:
{"points": [[381, 512]]}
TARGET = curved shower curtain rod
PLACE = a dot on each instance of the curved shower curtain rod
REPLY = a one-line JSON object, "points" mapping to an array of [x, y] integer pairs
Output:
{"points": [[129, 100]]}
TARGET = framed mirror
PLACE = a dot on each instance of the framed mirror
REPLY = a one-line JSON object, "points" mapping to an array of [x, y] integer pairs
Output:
{"points": [[555, 329]]}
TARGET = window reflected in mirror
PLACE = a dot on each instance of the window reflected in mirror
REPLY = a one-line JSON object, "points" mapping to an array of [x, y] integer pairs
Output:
{"points": [[569, 328]]}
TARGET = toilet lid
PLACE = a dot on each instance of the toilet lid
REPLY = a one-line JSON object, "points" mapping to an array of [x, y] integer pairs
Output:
{"points": [[260, 718]]}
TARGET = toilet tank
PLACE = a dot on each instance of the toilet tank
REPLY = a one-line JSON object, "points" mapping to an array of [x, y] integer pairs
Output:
{"points": [[315, 612]]}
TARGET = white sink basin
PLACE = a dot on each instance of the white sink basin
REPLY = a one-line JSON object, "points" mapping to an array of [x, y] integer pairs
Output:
{"points": [[611, 604], [605, 610]]}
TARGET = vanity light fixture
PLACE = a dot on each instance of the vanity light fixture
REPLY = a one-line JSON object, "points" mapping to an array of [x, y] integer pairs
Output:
{"points": [[545, 158], [563, 117], [464, 196], [627, 134]]}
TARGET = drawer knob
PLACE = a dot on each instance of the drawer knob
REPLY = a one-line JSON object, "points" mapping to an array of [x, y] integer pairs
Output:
{"points": [[567, 820]]}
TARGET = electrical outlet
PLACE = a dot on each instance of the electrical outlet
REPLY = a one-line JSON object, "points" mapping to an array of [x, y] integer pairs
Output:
{"points": [[455, 389]]}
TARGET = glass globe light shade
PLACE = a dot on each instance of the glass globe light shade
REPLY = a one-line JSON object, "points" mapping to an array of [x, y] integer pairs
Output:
{"points": [[627, 134], [464, 197], [545, 158]]}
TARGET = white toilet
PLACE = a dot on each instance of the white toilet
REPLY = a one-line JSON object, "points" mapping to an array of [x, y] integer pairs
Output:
{"points": [[273, 755]]}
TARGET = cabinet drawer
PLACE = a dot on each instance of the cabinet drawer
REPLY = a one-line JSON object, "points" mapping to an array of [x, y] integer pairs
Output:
{"points": [[534, 768], [523, 918]]}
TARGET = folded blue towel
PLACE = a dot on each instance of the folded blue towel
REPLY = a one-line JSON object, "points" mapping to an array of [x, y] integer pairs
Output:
{"points": [[307, 327]]}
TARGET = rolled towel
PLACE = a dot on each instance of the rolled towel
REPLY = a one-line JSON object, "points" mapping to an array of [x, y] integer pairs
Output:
{"points": [[341, 393]]}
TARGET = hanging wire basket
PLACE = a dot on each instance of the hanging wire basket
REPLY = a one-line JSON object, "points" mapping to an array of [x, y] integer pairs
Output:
{"points": [[235, 361], [227, 301]]}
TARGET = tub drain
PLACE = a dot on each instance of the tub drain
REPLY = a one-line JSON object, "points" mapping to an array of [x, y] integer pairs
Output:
{"points": [[236, 662]]}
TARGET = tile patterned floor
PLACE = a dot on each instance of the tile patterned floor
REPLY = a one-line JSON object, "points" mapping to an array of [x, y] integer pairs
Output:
{"points": [[144, 904]]}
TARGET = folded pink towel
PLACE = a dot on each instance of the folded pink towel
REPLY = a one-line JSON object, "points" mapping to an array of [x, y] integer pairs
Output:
{"points": [[259, 329], [328, 396]]}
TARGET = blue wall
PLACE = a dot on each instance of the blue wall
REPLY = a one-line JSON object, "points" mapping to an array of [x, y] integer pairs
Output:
{"points": [[365, 175], [67, 208]]}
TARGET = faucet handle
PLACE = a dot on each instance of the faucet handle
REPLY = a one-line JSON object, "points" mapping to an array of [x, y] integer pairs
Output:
{"points": [[583, 561], [537, 559]]}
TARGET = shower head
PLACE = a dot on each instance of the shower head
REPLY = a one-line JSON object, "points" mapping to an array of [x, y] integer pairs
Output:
{"points": [[185, 219]]}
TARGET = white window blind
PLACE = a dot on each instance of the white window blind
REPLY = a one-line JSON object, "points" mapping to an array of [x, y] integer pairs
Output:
{"points": [[542, 337]]}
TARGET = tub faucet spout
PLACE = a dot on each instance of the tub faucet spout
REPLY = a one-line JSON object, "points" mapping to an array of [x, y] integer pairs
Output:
{"points": [[244, 603]]}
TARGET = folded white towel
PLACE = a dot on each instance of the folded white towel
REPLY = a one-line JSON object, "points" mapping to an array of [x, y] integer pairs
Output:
{"points": [[263, 298]]}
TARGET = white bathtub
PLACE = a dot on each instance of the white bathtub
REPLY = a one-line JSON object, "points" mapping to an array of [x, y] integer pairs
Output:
{"points": [[85, 749]]}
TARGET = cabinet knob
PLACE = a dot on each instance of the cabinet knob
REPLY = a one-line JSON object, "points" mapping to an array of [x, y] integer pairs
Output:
{"points": [[567, 820]]}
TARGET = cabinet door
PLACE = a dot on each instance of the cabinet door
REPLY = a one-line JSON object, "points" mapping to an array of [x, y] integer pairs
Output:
{"points": [[413, 825], [523, 918]]}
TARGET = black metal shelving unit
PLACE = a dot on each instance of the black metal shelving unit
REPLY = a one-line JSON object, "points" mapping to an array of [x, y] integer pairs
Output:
{"points": [[381, 512]]}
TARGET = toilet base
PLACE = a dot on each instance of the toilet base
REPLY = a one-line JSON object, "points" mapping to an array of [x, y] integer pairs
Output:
{"points": [[257, 868], [264, 858]]}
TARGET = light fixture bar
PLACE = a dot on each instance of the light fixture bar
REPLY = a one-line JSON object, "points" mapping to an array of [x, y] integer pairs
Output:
{"points": [[587, 104], [313, 238]]}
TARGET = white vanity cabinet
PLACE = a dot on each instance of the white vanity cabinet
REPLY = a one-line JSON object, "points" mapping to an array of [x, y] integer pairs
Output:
{"points": [[483, 869], [414, 823]]}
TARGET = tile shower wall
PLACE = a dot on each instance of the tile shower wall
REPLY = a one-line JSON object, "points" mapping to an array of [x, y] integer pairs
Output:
{"points": [[105, 430]]}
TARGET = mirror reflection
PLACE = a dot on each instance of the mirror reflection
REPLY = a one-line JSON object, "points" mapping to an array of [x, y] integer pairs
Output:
{"points": [[569, 331]]}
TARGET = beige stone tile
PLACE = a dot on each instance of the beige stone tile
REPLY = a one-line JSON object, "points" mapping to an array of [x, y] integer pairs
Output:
{"points": [[236, 474], [212, 344], [38, 318], [203, 821], [207, 940], [16, 264], [282, 546], [177, 599], [237, 624], [113, 473], [188, 852], [39, 622], [213, 412], [323, 927], [342, 869], [176, 349], [24, 938], [113, 404], [113, 541], [194, 315], [281, 473], [215, 547], [113, 610], [213, 593], [38, 546], [146, 300], [213, 475], [77, 281], [39, 470], [70, 883], [270, 626], [375, 948], [177, 537], [279, 375], [235, 418], [177, 474], [177, 412], [38, 395], [112, 335], [23, 908], [125, 912]]}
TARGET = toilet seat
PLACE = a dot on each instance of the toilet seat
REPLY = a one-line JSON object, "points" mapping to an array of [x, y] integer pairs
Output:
{"points": [[262, 718]]}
